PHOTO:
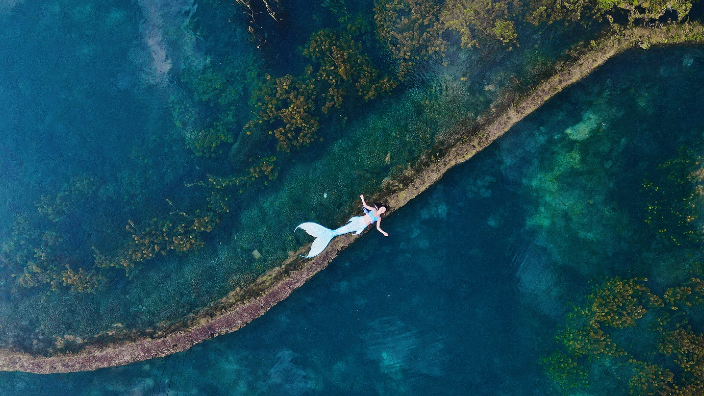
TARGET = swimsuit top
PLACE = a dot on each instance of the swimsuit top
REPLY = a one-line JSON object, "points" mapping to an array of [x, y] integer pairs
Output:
{"points": [[371, 214]]}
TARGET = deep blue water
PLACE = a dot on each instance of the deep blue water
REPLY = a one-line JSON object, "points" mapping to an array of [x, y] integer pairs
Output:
{"points": [[463, 298], [433, 309], [465, 295], [115, 94]]}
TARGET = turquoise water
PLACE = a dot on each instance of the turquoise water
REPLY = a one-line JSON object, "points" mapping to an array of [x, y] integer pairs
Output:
{"points": [[466, 294], [99, 109], [105, 109]]}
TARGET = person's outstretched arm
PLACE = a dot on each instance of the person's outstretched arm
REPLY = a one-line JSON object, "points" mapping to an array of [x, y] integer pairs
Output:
{"points": [[365, 204], [378, 227]]}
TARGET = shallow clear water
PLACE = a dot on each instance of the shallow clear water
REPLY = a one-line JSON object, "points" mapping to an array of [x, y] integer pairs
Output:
{"points": [[465, 295], [102, 104]]}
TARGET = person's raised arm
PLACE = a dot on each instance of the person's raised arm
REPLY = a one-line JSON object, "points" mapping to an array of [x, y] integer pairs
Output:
{"points": [[365, 204], [378, 227]]}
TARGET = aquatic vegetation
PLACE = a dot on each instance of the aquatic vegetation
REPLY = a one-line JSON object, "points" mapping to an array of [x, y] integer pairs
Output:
{"points": [[411, 30], [675, 197], [285, 109], [219, 187], [81, 281], [250, 5], [38, 253], [681, 297], [343, 68], [205, 142], [477, 19], [565, 373], [290, 108], [55, 208], [421, 31], [587, 10], [41, 274], [650, 10], [178, 232], [254, 9], [209, 113], [161, 236], [131, 227], [337, 7], [625, 335]]}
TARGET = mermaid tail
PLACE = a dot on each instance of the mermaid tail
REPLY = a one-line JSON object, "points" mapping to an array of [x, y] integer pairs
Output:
{"points": [[324, 235], [355, 224]]}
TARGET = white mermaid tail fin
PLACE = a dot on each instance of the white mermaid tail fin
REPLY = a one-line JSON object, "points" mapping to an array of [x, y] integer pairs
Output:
{"points": [[322, 235]]}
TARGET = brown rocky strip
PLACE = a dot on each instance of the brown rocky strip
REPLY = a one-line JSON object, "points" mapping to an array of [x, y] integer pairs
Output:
{"points": [[242, 306]]}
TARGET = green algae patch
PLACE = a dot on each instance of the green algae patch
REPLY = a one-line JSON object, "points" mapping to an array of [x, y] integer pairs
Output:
{"points": [[231, 313], [664, 358], [241, 306]]}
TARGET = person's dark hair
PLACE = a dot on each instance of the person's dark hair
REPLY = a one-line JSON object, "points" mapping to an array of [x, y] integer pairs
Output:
{"points": [[378, 205]]}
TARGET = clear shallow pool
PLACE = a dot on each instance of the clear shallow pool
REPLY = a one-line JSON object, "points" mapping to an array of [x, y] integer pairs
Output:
{"points": [[466, 294]]}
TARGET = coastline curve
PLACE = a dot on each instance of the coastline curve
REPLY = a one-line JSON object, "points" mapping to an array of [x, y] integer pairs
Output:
{"points": [[241, 306]]}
